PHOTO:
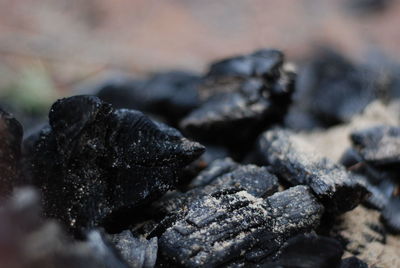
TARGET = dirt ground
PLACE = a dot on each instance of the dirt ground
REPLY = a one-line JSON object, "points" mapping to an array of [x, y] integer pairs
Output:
{"points": [[70, 41]]}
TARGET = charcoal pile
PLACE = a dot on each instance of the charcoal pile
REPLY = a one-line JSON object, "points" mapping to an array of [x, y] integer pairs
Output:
{"points": [[248, 165]]}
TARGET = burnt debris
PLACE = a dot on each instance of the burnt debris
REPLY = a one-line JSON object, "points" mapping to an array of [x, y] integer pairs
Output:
{"points": [[230, 225], [94, 160], [331, 90], [244, 95], [119, 189], [296, 162], [375, 157], [378, 145], [169, 95]]}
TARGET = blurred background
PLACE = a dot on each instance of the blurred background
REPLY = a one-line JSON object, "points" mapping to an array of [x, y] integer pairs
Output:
{"points": [[50, 47]]}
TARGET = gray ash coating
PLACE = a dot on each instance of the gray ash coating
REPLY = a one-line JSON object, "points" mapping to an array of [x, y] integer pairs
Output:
{"points": [[220, 175], [230, 225], [138, 252], [94, 160], [296, 162]]}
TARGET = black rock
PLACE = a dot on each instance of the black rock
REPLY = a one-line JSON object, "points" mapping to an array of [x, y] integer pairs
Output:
{"points": [[298, 163], [353, 262], [211, 154], [221, 175], [104, 252], [309, 251], [263, 63], [380, 194], [216, 169], [233, 224], [391, 215], [375, 158], [137, 252], [10, 152], [257, 181], [378, 145], [170, 95], [330, 90], [94, 160], [256, 95]]}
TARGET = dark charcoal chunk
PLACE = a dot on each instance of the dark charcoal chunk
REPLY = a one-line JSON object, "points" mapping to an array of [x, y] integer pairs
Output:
{"points": [[211, 154], [103, 251], [380, 194], [350, 158], [94, 160], [233, 224], [374, 174], [257, 181], [330, 90], [28, 241], [10, 151], [378, 145], [353, 262], [241, 112], [170, 95], [265, 62], [217, 168], [294, 161], [391, 215], [221, 175], [310, 251], [137, 252]]}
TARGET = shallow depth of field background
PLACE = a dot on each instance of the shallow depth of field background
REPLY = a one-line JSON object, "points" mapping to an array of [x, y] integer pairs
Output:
{"points": [[50, 47]]}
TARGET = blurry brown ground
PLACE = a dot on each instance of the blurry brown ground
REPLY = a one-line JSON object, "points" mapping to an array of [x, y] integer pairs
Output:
{"points": [[61, 43]]}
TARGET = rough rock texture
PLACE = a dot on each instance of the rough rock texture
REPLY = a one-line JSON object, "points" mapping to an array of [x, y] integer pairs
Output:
{"points": [[255, 180], [330, 90], [245, 94], [138, 252], [233, 224], [220, 175], [375, 157], [211, 154], [293, 160], [214, 170], [379, 145], [94, 160], [10, 151]]}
